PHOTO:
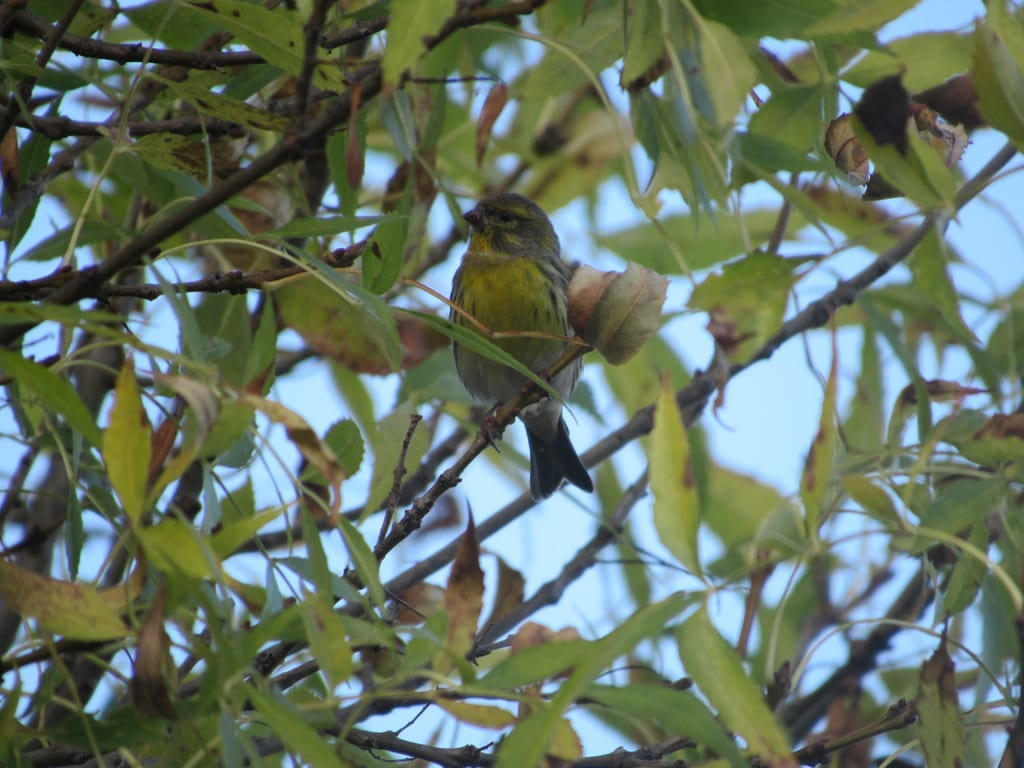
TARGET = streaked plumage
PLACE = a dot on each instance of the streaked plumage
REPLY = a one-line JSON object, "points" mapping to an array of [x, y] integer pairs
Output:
{"points": [[513, 278]]}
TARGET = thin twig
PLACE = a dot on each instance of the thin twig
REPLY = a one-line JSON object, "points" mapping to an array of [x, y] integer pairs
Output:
{"points": [[396, 484]]}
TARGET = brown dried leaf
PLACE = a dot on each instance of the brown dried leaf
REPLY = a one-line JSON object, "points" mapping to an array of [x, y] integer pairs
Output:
{"points": [[418, 602], [846, 151], [956, 100], [531, 633], [10, 165], [949, 140], [1002, 425], [491, 111], [153, 669], [939, 391], [510, 591], [463, 597], [617, 312], [419, 341], [334, 327]]}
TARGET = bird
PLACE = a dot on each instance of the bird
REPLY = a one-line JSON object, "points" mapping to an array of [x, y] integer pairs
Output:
{"points": [[513, 278]]}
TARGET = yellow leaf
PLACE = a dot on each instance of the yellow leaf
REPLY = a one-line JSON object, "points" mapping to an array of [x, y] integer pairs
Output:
{"points": [[676, 502], [463, 598], [75, 611], [821, 457], [126, 445]]}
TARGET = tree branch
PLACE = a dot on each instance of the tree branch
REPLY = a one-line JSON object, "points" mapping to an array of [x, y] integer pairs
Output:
{"points": [[124, 53]]}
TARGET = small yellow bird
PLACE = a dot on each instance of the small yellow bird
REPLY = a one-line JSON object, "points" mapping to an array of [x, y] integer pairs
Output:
{"points": [[513, 278]]}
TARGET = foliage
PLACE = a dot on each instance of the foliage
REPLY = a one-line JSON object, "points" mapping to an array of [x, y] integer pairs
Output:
{"points": [[210, 559]]}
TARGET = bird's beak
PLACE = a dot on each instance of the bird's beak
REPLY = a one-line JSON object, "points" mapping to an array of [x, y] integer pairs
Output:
{"points": [[474, 218]]}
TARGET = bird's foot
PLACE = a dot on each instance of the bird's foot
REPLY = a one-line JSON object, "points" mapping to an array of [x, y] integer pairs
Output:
{"points": [[491, 428]]}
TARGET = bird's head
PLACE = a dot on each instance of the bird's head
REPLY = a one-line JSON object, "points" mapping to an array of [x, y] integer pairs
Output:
{"points": [[513, 224]]}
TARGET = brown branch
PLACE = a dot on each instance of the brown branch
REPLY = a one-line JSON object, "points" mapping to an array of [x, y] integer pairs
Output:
{"points": [[468, 756], [396, 484], [20, 98], [59, 127], [899, 716], [359, 31], [124, 53], [311, 30]]}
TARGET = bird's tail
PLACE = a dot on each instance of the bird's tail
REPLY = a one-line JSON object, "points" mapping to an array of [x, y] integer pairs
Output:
{"points": [[550, 462]]}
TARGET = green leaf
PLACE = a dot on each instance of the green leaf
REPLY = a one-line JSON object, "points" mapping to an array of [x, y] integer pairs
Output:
{"points": [[325, 631], [383, 256], [575, 52], [928, 263], [387, 440], [792, 116], [341, 320], [749, 297], [212, 104], [344, 439], [760, 156], [676, 502], [322, 226], [864, 427], [738, 507], [477, 342], [231, 536], [482, 715], [535, 664], [923, 60], [644, 45], [75, 611], [276, 35], [968, 574], [318, 569], [363, 560], [964, 503], [922, 175], [700, 241], [411, 21], [263, 349], [174, 546], [677, 712], [717, 672], [52, 391], [127, 446], [997, 77], [724, 73], [938, 707], [821, 457], [872, 497], [295, 733], [861, 15], [773, 18], [528, 743]]}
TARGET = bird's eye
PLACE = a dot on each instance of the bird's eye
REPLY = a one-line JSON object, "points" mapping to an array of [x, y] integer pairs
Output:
{"points": [[505, 217]]}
